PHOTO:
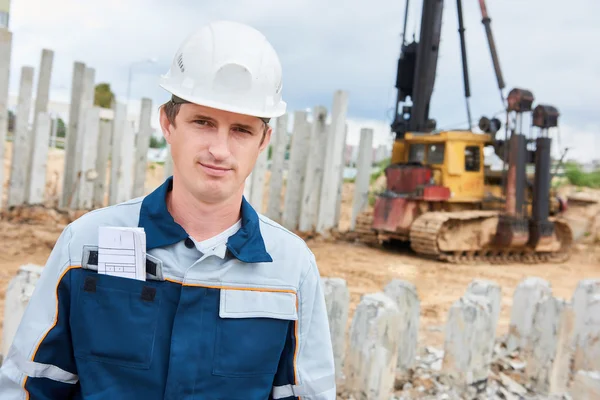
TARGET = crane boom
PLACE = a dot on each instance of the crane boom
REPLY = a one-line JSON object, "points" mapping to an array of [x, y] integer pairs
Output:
{"points": [[486, 20], [416, 72], [417, 67]]}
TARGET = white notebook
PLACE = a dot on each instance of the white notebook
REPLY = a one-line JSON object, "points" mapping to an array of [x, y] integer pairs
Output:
{"points": [[122, 252]]}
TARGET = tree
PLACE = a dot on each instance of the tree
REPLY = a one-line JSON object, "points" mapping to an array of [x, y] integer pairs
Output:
{"points": [[11, 121], [157, 143], [103, 96], [61, 129]]}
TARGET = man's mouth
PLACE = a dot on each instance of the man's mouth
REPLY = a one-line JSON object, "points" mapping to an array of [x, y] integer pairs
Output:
{"points": [[214, 170]]}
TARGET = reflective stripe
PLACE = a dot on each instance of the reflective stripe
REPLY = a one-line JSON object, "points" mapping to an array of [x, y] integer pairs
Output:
{"points": [[307, 389], [38, 370]]}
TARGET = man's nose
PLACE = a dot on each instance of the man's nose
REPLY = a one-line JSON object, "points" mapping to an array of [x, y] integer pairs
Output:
{"points": [[219, 145]]}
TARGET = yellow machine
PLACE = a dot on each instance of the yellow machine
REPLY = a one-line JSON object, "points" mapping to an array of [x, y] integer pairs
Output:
{"points": [[443, 200]]}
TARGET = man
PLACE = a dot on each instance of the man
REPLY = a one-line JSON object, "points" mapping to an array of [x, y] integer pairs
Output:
{"points": [[232, 306]]}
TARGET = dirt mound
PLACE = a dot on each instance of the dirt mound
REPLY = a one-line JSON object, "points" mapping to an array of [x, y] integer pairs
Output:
{"points": [[40, 215], [583, 215]]}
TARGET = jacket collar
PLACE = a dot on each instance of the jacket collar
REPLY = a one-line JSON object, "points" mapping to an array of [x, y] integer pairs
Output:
{"points": [[246, 244]]}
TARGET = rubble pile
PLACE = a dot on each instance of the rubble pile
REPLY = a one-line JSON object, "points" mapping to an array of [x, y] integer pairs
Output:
{"points": [[506, 380]]}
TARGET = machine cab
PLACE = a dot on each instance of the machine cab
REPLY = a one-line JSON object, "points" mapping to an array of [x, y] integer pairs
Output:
{"points": [[453, 159]]}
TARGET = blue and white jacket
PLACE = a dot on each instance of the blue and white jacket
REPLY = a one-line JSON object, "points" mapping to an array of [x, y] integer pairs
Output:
{"points": [[248, 322]]}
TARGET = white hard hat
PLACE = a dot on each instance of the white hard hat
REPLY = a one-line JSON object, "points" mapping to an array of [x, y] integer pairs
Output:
{"points": [[228, 66]]}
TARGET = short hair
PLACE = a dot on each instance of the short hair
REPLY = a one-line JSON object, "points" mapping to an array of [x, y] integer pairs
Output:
{"points": [[171, 110]]}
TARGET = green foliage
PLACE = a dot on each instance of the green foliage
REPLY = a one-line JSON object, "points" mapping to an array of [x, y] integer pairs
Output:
{"points": [[372, 198], [103, 96], [11, 121], [577, 177], [381, 166], [157, 143], [61, 129]]}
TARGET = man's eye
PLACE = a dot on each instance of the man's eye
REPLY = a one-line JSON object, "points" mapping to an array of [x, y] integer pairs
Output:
{"points": [[243, 130], [202, 122]]}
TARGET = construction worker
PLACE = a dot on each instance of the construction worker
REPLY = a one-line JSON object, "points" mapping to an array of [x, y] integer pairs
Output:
{"points": [[231, 307]]}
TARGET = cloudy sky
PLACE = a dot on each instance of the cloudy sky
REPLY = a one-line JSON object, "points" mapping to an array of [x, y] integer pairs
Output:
{"points": [[547, 46]]}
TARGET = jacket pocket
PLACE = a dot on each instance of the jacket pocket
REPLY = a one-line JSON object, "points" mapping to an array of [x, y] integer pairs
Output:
{"points": [[251, 331], [114, 320]]}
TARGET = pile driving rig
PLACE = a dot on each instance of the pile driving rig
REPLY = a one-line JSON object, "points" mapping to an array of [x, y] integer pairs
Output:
{"points": [[440, 196]]}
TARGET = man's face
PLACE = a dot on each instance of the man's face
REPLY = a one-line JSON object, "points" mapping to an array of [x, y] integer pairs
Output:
{"points": [[213, 150]]}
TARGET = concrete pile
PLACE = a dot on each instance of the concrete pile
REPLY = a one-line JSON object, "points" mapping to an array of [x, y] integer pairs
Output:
{"points": [[551, 350]]}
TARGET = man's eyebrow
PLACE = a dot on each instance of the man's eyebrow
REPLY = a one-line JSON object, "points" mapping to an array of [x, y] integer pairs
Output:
{"points": [[204, 117], [244, 126], [236, 124]]}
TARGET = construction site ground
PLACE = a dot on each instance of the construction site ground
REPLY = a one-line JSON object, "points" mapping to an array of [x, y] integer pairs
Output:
{"points": [[28, 236]]}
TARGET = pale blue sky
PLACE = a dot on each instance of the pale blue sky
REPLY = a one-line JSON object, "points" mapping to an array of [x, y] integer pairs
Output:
{"points": [[547, 46]]}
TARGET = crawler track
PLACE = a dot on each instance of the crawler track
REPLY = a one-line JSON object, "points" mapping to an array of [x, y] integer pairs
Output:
{"points": [[426, 230]]}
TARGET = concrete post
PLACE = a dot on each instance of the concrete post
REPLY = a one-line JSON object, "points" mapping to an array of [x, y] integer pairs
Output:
{"points": [[127, 156], [104, 139], [54, 132], [5, 57], [168, 163], [333, 163], [248, 187], [373, 348], [21, 154], [89, 139], [39, 160], [584, 292], [543, 342], [337, 299], [468, 344], [41, 103], [560, 374], [280, 140], [87, 102], [258, 180], [71, 139], [142, 144], [340, 183], [363, 174], [19, 291], [528, 293], [587, 353], [492, 293], [118, 129], [585, 386], [295, 177], [407, 300], [314, 171]]}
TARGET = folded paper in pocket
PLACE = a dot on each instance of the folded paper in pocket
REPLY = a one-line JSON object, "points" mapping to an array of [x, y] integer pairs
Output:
{"points": [[122, 252]]}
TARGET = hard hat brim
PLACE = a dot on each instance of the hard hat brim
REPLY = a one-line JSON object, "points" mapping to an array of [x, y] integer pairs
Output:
{"points": [[279, 110]]}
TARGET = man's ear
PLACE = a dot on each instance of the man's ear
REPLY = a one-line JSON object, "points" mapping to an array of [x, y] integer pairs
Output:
{"points": [[266, 139], [165, 125]]}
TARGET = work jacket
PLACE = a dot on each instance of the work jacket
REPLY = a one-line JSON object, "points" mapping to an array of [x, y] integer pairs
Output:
{"points": [[245, 319]]}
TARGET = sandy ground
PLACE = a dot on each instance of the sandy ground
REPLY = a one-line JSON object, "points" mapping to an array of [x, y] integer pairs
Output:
{"points": [[30, 240]]}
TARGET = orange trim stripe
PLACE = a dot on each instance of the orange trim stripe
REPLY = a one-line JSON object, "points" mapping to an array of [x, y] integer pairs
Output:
{"points": [[297, 345], [234, 288], [53, 324]]}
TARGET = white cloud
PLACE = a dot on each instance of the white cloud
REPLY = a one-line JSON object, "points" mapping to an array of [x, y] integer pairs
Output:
{"points": [[544, 45]]}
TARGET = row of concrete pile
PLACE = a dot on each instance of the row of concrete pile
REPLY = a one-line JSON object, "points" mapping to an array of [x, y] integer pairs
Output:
{"points": [[552, 347], [95, 138]]}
